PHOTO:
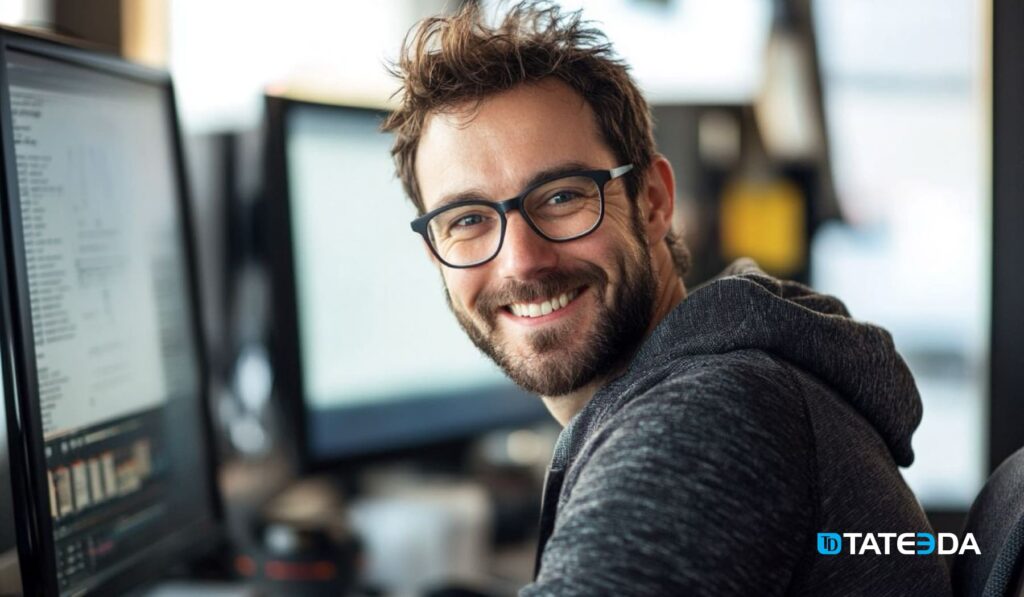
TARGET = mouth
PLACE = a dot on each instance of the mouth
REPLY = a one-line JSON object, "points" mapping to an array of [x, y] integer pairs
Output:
{"points": [[544, 309]]}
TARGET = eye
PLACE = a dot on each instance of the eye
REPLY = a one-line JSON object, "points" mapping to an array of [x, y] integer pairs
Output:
{"points": [[562, 197], [467, 220], [469, 224]]}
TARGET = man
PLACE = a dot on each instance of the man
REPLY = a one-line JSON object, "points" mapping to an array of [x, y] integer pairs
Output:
{"points": [[708, 438]]}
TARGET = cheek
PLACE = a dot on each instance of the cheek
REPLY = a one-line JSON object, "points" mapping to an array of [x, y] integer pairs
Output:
{"points": [[620, 223], [591, 249], [463, 287], [610, 249], [604, 247]]}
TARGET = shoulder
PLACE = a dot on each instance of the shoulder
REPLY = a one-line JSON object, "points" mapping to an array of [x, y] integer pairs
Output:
{"points": [[732, 431], [743, 398], [735, 421], [704, 468]]}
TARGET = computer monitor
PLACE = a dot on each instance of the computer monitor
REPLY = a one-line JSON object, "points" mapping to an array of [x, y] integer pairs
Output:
{"points": [[366, 349], [102, 353]]}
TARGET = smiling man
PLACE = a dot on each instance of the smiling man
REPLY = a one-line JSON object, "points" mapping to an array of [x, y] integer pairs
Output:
{"points": [[708, 438]]}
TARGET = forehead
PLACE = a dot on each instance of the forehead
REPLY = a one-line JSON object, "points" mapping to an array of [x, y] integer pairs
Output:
{"points": [[494, 148]]}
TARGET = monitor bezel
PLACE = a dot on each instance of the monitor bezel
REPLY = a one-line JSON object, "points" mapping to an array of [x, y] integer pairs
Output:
{"points": [[286, 344], [35, 529]]}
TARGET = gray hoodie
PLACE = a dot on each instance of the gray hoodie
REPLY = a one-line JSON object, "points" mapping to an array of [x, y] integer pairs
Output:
{"points": [[756, 415]]}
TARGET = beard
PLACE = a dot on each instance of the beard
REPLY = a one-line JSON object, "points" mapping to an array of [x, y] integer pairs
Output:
{"points": [[558, 358]]}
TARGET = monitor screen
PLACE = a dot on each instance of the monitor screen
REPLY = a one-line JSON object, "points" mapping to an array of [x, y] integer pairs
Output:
{"points": [[383, 363], [114, 376]]}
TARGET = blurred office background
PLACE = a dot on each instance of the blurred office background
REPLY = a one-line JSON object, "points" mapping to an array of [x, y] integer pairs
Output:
{"points": [[845, 143]]}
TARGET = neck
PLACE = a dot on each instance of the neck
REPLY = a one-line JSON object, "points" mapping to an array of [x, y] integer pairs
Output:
{"points": [[670, 292]]}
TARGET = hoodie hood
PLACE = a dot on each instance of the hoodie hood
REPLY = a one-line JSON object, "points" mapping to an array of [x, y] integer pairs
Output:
{"points": [[745, 308]]}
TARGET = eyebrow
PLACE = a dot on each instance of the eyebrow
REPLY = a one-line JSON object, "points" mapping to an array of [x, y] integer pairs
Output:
{"points": [[538, 177]]}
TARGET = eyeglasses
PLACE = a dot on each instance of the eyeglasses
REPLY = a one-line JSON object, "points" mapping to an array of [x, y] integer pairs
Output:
{"points": [[470, 233]]}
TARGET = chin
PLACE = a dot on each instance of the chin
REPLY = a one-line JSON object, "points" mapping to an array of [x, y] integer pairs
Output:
{"points": [[552, 372]]}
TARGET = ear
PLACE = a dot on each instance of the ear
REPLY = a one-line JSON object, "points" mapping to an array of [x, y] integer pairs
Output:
{"points": [[658, 199]]}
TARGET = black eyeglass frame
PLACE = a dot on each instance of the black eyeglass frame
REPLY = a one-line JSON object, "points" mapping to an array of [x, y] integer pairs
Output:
{"points": [[600, 177]]}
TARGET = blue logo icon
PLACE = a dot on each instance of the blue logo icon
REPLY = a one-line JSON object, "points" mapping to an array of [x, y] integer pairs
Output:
{"points": [[829, 544], [927, 544]]}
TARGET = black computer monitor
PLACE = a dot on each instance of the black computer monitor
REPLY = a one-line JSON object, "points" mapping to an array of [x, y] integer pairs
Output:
{"points": [[102, 354], [366, 350]]}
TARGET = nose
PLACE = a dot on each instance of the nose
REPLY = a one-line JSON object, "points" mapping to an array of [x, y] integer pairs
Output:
{"points": [[524, 254]]}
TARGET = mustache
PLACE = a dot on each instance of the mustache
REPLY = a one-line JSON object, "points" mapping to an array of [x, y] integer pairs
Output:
{"points": [[552, 284]]}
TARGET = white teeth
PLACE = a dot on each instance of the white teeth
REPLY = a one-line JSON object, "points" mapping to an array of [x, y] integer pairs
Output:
{"points": [[543, 308]]}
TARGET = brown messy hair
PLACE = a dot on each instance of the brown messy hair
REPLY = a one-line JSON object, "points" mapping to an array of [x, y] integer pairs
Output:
{"points": [[447, 61]]}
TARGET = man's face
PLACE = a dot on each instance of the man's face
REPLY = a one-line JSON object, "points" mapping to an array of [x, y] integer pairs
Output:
{"points": [[492, 152]]}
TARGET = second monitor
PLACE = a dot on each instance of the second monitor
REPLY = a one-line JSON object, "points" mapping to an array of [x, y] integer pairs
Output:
{"points": [[367, 350]]}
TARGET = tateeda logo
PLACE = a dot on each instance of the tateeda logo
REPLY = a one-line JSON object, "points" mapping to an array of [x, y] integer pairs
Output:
{"points": [[920, 544]]}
